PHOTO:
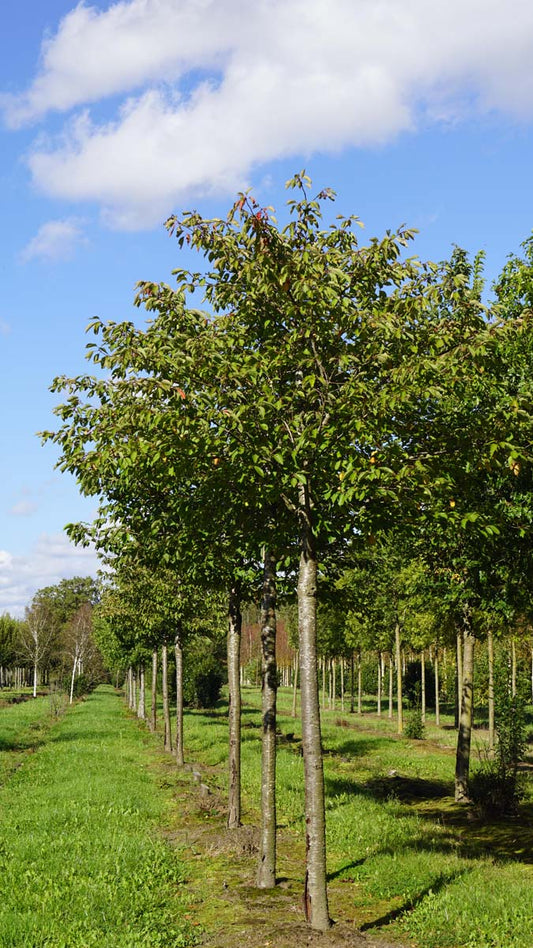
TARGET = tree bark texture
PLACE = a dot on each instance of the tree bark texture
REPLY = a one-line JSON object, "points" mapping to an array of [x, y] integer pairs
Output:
{"points": [[178, 653], [153, 711], [266, 867], [141, 709], [295, 683], [399, 691], [437, 688], [234, 710], [459, 664], [423, 684], [164, 689], [315, 893], [464, 737], [490, 651]]}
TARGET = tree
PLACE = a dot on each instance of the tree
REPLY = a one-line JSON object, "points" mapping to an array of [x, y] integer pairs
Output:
{"points": [[301, 407]]}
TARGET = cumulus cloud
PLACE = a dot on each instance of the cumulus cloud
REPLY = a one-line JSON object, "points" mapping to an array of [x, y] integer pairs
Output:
{"points": [[52, 559], [209, 89], [55, 241]]}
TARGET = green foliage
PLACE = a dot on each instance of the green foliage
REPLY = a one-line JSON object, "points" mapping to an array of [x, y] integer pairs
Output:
{"points": [[496, 788], [414, 728], [203, 673]]}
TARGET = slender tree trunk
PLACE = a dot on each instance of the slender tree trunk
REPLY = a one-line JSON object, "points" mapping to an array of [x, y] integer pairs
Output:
{"points": [[359, 685], [333, 683], [234, 711], [315, 892], [266, 867], [323, 663], [295, 683], [134, 689], [153, 715], [178, 653], [35, 670], [437, 688], [459, 662], [464, 737], [513, 667], [399, 692], [391, 687], [164, 689], [423, 684], [342, 683], [352, 683], [141, 709], [490, 653], [379, 683], [73, 678]]}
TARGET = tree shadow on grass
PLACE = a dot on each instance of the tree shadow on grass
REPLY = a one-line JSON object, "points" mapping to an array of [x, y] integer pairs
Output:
{"points": [[436, 886]]}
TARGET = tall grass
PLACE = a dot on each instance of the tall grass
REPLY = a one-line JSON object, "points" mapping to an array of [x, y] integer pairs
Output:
{"points": [[81, 862]]}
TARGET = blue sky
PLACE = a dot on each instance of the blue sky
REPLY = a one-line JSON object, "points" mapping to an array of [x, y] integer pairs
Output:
{"points": [[116, 115]]}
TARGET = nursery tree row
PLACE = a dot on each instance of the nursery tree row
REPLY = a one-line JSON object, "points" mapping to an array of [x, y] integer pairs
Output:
{"points": [[332, 400]]}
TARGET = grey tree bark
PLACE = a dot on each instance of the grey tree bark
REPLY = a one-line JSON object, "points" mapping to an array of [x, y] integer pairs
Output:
{"points": [[399, 690], [315, 892], [437, 688], [178, 653], [141, 707], [423, 684], [266, 866], [153, 710], [164, 688], [490, 650], [234, 710], [464, 737]]}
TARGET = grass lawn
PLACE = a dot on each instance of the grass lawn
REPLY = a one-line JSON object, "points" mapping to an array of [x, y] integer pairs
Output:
{"points": [[405, 862], [81, 860]]}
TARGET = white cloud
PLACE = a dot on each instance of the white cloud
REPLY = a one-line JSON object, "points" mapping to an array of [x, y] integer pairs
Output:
{"points": [[23, 508], [54, 241], [216, 87], [52, 559]]}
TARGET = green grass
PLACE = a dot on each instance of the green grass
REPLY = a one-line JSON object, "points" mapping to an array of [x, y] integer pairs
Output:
{"points": [[81, 861], [403, 858]]}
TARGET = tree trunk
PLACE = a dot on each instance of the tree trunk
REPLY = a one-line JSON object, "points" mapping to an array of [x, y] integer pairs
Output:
{"points": [[462, 761], [333, 686], [490, 651], [391, 689], [399, 693], [134, 690], [342, 684], [178, 653], [164, 688], [315, 892], [295, 683], [153, 715], [352, 684], [234, 710], [266, 867], [359, 685], [72, 679], [141, 709], [437, 688], [459, 662], [423, 685], [379, 684], [513, 667]]}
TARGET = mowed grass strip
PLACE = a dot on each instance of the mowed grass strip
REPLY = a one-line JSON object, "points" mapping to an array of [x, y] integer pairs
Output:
{"points": [[23, 727], [405, 862], [81, 861]]}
